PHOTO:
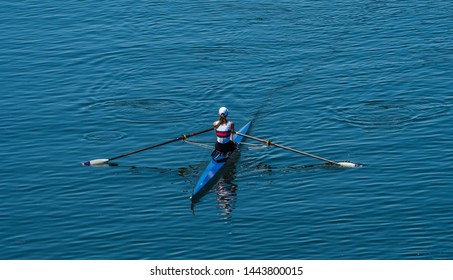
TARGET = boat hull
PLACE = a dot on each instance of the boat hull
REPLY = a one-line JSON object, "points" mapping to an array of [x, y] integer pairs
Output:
{"points": [[214, 168]]}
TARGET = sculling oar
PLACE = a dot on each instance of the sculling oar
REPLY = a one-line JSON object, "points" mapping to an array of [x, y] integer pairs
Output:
{"points": [[106, 160], [270, 143]]}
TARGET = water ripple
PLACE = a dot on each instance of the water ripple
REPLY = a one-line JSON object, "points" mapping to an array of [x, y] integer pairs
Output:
{"points": [[104, 136], [313, 75], [144, 110], [390, 113]]}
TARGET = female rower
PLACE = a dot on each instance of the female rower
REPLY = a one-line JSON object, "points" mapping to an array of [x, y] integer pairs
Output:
{"points": [[224, 130]]}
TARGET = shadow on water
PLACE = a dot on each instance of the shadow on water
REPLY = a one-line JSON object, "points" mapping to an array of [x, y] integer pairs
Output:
{"points": [[268, 169], [226, 189], [142, 170]]}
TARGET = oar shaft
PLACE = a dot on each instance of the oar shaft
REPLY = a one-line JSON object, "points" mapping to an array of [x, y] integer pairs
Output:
{"points": [[303, 153], [268, 142], [182, 137], [144, 149]]}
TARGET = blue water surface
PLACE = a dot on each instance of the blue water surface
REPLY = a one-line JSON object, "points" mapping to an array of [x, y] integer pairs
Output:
{"points": [[362, 81]]}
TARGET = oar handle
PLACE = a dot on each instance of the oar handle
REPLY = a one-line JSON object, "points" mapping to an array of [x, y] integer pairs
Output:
{"points": [[252, 137]]}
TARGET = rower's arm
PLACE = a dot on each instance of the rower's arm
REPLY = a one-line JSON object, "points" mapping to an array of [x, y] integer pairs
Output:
{"points": [[232, 131]]}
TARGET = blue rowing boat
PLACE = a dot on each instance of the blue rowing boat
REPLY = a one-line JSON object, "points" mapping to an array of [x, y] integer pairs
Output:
{"points": [[213, 170]]}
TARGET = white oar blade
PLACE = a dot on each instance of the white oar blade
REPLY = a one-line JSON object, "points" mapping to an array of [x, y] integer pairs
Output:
{"points": [[348, 164], [96, 162]]}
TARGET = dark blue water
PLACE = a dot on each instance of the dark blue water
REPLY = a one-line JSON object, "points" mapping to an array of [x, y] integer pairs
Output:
{"points": [[361, 81]]}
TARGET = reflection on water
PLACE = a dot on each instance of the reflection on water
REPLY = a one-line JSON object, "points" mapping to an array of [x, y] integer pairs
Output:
{"points": [[225, 190], [226, 193]]}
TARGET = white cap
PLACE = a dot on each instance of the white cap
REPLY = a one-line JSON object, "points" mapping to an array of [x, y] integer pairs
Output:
{"points": [[223, 111]]}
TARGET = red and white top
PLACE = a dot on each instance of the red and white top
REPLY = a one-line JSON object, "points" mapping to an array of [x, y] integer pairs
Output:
{"points": [[223, 133]]}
